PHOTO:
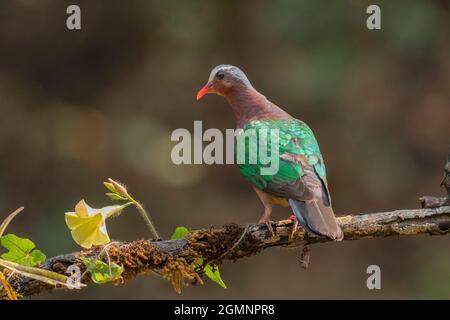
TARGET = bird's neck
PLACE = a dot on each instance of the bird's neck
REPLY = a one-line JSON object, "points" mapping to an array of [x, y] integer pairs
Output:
{"points": [[248, 105]]}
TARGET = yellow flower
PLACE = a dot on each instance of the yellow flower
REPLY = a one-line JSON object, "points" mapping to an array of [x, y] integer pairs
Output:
{"points": [[87, 225]]}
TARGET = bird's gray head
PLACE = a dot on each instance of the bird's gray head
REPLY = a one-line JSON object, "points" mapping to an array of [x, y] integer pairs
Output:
{"points": [[224, 79]]}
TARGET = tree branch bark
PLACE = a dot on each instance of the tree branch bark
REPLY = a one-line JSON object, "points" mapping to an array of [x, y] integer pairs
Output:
{"points": [[174, 258]]}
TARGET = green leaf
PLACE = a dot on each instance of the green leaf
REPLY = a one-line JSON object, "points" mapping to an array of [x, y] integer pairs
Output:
{"points": [[180, 233], [213, 273], [21, 251], [115, 196], [102, 272]]}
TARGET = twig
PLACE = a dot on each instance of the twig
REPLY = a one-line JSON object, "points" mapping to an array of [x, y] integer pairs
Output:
{"points": [[236, 243], [147, 219], [6, 222], [10, 293]]}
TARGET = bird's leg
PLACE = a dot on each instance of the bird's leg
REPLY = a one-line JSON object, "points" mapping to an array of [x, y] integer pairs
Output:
{"points": [[265, 199], [266, 217], [295, 226]]}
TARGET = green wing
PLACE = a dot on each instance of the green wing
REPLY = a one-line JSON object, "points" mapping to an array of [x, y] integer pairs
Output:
{"points": [[295, 139]]}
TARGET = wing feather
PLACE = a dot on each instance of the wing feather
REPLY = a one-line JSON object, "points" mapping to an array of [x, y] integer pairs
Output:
{"points": [[301, 173]]}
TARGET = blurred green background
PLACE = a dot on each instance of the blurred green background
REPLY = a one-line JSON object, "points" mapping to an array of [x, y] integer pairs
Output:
{"points": [[78, 107]]}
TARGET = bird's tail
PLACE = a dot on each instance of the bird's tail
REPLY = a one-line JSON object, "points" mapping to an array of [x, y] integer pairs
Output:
{"points": [[317, 218]]}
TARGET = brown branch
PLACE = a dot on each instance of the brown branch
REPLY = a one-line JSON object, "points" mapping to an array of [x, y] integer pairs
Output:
{"points": [[174, 258]]}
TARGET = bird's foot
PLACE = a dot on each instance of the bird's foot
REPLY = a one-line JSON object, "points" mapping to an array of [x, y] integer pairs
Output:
{"points": [[295, 226], [268, 223]]}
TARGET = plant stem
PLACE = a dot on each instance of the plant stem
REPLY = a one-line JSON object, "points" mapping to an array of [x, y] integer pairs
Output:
{"points": [[5, 223], [121, 191], [147, 219]]}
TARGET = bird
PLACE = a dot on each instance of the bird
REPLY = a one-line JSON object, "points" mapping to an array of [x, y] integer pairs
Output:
{"points": [[300, 181]]}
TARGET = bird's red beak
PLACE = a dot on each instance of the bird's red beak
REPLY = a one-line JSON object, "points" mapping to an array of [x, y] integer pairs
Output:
{"points": [[203, 91]]}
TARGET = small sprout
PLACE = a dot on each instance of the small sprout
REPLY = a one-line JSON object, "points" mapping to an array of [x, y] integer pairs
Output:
{"points": [[102, 272], [87, 225], [180, 233]]}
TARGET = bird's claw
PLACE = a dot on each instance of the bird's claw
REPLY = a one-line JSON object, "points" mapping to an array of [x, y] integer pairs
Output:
{"points": [[268, 223], [295, 226]]}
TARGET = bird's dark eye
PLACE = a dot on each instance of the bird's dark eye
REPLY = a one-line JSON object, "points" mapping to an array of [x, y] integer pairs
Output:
{"points": [[220, 74]]}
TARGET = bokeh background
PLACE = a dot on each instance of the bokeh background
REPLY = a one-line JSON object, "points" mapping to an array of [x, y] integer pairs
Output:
{"points": [[78, 107]]}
